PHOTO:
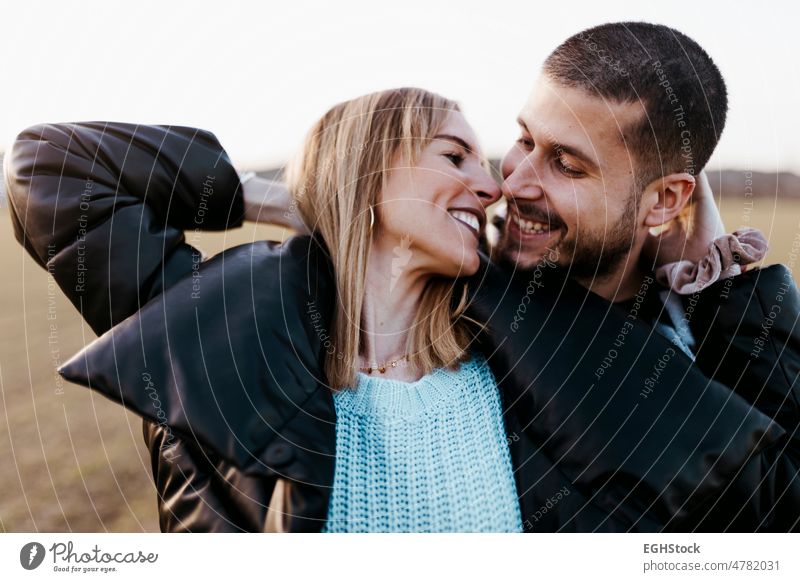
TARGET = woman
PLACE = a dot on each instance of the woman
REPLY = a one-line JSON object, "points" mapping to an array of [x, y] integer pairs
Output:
{"points": [[223, 357], [395, 186]]}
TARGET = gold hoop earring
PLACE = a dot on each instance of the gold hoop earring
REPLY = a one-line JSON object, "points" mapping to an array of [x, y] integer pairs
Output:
{"points": [[371, 217]]}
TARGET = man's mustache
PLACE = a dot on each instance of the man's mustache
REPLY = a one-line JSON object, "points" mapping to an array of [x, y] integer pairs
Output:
{"points": [[531, 211]]}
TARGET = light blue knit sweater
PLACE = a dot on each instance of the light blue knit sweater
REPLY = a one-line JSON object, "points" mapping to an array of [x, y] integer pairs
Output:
{"points": [[424, 456]]}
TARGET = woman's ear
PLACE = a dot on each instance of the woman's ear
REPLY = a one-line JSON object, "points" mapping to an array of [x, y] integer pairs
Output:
{"points": [[668, 195]]}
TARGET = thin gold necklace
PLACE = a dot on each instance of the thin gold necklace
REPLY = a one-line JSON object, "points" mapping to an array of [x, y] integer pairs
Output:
{"points": [[382, 369]]}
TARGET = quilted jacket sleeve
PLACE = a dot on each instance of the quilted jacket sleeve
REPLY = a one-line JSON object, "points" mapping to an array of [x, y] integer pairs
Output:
{"points": [[749, 339], [749, 336], [103, 206]]}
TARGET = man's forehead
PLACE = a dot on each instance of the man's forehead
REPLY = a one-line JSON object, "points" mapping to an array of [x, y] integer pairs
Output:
{"points": [[561, 115]]}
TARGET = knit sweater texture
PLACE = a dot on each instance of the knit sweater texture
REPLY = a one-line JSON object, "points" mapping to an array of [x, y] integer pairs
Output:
{"points": [[424, 456]]}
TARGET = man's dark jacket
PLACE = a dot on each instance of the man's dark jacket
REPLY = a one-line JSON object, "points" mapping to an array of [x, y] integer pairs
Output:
{"points": [[611, 428]]}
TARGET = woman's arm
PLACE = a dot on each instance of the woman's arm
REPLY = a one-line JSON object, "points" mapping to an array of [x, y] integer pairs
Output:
{"points": [[748, 331], [103, 206], [269, 202]]}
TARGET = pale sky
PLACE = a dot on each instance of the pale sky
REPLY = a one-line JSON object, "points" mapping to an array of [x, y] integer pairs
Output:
{"points": [[258, 75]]}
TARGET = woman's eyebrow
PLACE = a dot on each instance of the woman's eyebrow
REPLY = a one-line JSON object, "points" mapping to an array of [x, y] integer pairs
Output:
{"points": [[457, 140]]}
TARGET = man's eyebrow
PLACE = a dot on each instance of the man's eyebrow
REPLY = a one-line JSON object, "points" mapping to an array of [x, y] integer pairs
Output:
{"points": [[457, 140], [560, 147]]}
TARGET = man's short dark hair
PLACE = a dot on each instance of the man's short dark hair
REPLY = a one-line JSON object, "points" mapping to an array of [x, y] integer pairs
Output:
{"points": [[680, 87]]}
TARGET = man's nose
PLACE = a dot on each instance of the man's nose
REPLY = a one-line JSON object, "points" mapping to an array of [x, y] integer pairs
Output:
{"points": [[522, 183]]}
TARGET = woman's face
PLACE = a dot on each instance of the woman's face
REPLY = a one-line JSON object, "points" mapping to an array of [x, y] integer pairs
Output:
{"points": [[431, 215]]}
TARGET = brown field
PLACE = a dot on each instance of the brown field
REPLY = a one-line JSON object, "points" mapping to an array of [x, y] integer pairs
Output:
{"points": [[72, 460]]}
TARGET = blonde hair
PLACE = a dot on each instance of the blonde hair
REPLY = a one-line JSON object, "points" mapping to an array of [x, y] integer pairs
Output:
{"points": [[335, 181]]}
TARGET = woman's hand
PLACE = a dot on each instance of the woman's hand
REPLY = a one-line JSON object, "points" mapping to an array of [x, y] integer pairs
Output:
{"points": [[688, 236], [269, 202]]}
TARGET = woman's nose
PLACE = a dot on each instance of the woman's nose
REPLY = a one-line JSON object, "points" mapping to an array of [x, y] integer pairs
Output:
{"points": [[486, 189]]}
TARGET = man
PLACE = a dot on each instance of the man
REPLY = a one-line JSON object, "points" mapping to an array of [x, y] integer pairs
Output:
{"points": [[620, 122]]}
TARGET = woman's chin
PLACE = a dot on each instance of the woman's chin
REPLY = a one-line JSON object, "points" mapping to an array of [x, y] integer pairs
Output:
{"points": [[466, 265], [452, 263]]}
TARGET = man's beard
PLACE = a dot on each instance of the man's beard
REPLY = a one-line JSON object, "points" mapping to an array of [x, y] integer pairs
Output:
{"points": [[586, 254], [597, 256]]}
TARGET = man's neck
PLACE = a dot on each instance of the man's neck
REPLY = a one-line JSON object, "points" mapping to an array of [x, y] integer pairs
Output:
{"points": [[621, 284]]}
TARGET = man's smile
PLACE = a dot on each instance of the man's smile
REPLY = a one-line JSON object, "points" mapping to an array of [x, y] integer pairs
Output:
{"points": [[531, 226]]}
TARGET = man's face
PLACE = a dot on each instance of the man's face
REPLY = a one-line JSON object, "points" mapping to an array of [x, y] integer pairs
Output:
{"points": [[569, 183]]}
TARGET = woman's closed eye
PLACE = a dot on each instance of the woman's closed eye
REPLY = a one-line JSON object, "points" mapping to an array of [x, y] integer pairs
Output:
{"points": [[456, 158]]}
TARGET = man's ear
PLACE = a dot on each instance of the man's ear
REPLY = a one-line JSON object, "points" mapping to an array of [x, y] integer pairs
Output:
{"points": [[668, 195]]}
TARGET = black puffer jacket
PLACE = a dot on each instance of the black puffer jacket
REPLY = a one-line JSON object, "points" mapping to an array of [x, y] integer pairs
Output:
{"points": [[221, 357]]}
